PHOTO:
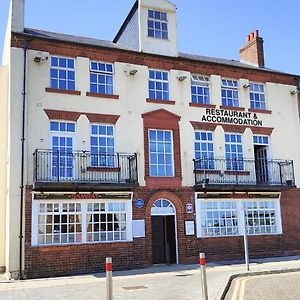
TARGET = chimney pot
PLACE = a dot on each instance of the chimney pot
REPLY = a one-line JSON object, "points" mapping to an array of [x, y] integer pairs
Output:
{"points": [[253, 52]]}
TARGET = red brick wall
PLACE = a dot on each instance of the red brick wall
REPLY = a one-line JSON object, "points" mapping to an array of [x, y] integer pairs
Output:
{"points": [[152, 61], [75, 259]]}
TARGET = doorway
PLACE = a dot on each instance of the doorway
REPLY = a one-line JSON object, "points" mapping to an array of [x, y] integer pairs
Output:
{"points": [[261, 164], [164, 238]]}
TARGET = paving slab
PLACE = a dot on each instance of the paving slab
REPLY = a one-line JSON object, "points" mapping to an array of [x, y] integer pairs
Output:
{"points": [[176, 282]]}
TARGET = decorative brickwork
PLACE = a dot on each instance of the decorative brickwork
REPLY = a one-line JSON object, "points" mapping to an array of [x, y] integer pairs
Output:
{"points": [[100, 118], [55, 47], [163, 119], [62, 115]]}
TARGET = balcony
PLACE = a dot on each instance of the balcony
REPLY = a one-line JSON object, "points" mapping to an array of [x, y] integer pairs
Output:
{"points": [[234, 174], [82, 170]]}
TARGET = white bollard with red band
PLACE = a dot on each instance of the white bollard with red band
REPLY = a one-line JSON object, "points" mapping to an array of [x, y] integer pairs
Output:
{"points": [[202, 263], [109, 287]]}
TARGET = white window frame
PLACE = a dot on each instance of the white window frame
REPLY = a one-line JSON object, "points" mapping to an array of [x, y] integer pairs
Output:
{"points": [[157, 21], [106, 74], [230, 160], [207, 162], [263, 103], [162, 81], [109, 161], [84, 211], [239, 204], [65, 134], [66, 69], [202, 82], [164, 153], [228, 85]]}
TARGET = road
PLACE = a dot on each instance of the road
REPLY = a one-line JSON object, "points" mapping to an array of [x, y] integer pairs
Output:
{"points": [[283, 286]]}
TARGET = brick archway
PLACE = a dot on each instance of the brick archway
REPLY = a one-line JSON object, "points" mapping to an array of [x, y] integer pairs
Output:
{"points": [[179, 217]]}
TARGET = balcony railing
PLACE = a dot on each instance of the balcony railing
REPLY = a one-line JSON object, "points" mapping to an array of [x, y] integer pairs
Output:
{"points": [[83, 167], [262, 172]]}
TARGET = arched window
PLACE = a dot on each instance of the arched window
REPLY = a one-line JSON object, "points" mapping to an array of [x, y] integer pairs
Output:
{"points": [[162, 207]]}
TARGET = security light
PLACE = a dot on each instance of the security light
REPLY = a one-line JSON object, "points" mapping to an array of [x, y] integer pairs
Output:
{"points": [[181, 77]]}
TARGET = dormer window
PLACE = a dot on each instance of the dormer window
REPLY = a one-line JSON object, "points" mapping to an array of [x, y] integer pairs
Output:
{"points": [[157, 24]]}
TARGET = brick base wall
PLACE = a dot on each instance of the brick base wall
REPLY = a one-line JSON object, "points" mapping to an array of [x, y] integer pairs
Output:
{"points": [[75, 259]]}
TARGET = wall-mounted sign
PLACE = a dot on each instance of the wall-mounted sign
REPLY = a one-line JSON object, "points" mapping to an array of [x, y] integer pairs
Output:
{"points": [[189, 227], [231, 117], [237, 195], [138, 228], [139, 202], [81, 196], [189, 208]]}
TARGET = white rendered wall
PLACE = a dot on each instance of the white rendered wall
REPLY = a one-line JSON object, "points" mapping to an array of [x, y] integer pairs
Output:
{"points": [[148, 44], [3, 151], [14, 161], [133, 91]]}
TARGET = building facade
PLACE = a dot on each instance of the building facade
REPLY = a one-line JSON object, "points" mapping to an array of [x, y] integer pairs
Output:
{"points": [[133, 150]]}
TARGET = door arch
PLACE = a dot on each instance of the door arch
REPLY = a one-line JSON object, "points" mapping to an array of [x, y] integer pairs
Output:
{"points": [[164, 232]]}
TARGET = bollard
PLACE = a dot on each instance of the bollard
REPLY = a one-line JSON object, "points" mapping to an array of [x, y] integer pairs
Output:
{"points": [[202, 263], [109, 288]]}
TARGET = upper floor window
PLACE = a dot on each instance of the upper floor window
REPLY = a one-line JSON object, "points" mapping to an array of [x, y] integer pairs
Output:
{"points": [[62, 73], [204, 150], [229, 92], [158, 85], [257, 96], [102, 145], [157, 24], [234, 152], [101, 78], [200, 89], [161, 152]]}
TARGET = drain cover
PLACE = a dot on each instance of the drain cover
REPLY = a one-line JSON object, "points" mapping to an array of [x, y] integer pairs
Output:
{"points": [[136, 287], [183, 275]]}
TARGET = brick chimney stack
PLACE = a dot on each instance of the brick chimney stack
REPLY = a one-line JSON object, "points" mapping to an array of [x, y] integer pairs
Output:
{"points": [[253, 51]]}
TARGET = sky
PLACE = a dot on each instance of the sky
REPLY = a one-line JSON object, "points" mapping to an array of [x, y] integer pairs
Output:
{"points": [[214, 28]]}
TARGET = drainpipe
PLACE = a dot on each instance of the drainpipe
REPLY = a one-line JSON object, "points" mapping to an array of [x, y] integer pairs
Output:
{"points": [[25, 47]]}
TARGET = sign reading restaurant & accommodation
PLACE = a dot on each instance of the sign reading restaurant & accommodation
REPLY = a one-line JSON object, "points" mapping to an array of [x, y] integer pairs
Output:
{"points": [[231, 117]]}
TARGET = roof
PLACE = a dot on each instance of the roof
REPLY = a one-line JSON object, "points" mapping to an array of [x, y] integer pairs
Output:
{"points": [[70, 38], [126, 21], [107, 44]]}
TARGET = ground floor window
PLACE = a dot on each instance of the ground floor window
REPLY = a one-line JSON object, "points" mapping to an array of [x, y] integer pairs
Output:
{"points": [[88, 221], [219, 217]]}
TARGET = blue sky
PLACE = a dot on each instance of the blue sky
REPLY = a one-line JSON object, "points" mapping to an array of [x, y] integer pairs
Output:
{"points": [[214, 28]]}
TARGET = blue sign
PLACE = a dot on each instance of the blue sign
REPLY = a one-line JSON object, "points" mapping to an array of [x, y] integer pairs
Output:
{"points": [[139, 202], [189, 208]]}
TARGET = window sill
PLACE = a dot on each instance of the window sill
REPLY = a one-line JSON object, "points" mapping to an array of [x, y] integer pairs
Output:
{"points": [[232, 108], [202, 105], [159, 101], [103, 169], [60, 91], [261, 111], [107, 96]]}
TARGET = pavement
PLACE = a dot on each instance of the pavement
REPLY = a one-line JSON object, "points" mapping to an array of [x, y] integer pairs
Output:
{"points": [[263, 287], [176, 282]]}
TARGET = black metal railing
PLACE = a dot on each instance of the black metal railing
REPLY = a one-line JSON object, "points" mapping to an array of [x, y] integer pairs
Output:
{"points": [[244, 172], [85, 167]]}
